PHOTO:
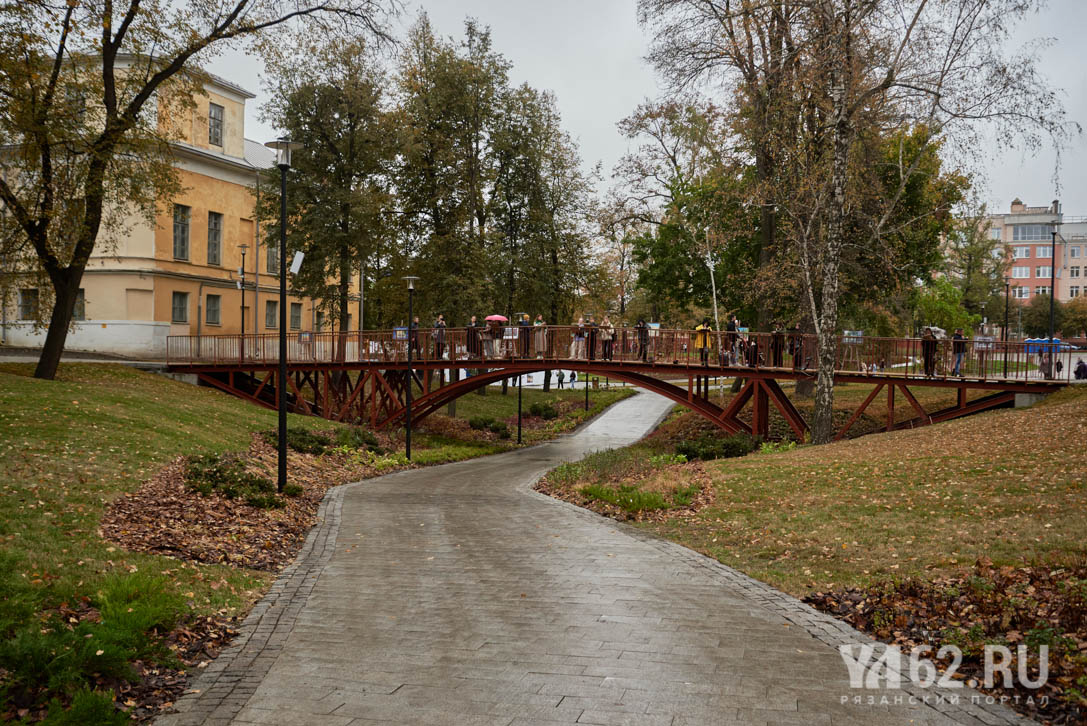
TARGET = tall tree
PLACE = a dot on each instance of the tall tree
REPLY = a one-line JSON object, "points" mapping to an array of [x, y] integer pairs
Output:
{"points": [[70, 169], [328, 96]]}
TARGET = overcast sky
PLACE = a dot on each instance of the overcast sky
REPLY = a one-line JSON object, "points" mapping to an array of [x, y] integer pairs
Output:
{"points": [[590, 54]]}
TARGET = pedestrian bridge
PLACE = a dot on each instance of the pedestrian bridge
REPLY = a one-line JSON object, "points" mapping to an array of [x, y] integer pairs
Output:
{"points": [[363, 376]]}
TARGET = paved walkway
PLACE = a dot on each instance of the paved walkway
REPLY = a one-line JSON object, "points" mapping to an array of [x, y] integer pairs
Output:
{"points": [[456, 595]]}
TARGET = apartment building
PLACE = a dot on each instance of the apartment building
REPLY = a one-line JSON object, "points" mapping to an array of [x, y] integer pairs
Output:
{"points": [[1028, 236], [181, 276]]}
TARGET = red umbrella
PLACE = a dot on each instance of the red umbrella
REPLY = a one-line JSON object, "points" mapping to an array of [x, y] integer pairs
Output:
{"points": [[499, 318]]}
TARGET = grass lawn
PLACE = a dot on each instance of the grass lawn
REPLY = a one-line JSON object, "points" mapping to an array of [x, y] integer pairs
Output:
{"points": [[67, 448], [1010, 484]]}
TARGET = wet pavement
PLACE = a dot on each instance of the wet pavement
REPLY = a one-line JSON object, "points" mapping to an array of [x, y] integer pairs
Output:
{"points": [[457, 595]]}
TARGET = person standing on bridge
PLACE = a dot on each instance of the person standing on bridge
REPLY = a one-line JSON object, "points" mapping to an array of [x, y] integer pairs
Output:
{"points": [[413, 335], [777, 346], [607, 338], [958, 349], [591, 337], [439, 337], [796, 346], [541, 336], [523, 335], [473, 342], [642, 329], [928, 351], [702, 341], [732, 337]]}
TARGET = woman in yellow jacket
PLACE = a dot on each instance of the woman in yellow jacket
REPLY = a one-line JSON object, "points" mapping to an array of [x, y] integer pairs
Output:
{"points": [[702, 340]]}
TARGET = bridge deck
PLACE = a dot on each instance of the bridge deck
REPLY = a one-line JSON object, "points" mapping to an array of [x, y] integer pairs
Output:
{"points": [[364, 376]]}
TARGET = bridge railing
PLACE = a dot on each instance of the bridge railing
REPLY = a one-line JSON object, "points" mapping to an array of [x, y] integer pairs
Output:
{"points": [[782, 350]]}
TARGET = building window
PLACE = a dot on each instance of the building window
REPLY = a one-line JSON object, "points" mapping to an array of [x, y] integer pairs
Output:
{"points": [[1020, 293], [1073, 251], [1021, 252], [1020, 273], [271, 313], [215, 124], [181, 231], [1041, 290], [179, 310], [1046, 251], [215, 238], [1073, 271], [1073, 291], [214, 310], [28, 304], [296, 316], [994, 233], [80, 310], [319, 321], [1043, 271], [271, 261], [1027, 232]]}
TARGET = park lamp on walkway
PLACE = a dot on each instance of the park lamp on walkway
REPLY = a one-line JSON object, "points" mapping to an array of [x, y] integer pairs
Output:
{"points": [[283, 148], [1007, 302], [410, 279]]}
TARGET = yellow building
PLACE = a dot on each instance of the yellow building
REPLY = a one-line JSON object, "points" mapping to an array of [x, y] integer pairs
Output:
{"points": [[182, 276]]}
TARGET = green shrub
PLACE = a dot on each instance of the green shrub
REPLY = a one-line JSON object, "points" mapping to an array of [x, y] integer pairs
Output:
{"points": [[667, 459], [301, 440], [226, 475], [627, 497], [292, 490], [774, 447], [544, 410], [500, 428], [479, 423], [708, 446], [356, 437], [88, 707]]}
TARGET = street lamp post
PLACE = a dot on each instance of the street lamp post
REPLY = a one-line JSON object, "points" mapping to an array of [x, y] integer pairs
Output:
{"points": [[411, 341], [1007, 303], [241, 284], [283, 147]]}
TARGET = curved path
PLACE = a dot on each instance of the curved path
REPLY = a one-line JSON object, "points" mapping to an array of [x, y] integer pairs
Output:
{"points": [[457, 595]]}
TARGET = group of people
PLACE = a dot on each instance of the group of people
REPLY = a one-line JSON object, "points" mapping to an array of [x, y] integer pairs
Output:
{"points": [[584, 337]]}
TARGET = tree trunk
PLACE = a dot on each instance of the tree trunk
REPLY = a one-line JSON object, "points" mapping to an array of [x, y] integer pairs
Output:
{"points": [[823, 423], [547, 381], [65, 289]]}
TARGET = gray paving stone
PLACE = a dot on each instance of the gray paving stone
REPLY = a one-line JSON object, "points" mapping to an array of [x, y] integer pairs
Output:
{"points": [[457, 595]]}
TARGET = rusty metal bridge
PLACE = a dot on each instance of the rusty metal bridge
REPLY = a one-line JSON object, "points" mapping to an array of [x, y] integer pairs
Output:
{"points": [[363, 376]]}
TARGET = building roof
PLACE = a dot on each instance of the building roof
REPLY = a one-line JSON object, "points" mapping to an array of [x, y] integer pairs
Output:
{"points": [[259, 156]]}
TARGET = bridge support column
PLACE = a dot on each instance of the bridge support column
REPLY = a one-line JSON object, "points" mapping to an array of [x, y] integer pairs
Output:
{"points": [[760, 412]]}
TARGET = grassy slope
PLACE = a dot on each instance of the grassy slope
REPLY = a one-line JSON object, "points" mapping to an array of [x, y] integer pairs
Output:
{"points": [[69, 446], [1010, 484]]}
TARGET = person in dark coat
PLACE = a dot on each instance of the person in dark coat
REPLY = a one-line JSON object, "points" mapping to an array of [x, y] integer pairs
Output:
{"points": [[777, 346], [439, 337], [524, 332], [413, 335], [958, 349], [732, 336], [642, 329], [592, 332], [928, 351], [796, 346], [473, 342], [753, 351], [562, 378], [1081, 370]]}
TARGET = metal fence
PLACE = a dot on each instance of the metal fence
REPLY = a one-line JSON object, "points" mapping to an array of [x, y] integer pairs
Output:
{"points": [[476, 347]]}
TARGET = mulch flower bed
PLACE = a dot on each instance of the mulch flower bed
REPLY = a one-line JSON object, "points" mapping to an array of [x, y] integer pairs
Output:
{"points": [[1036, 605], [164, 516]]}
